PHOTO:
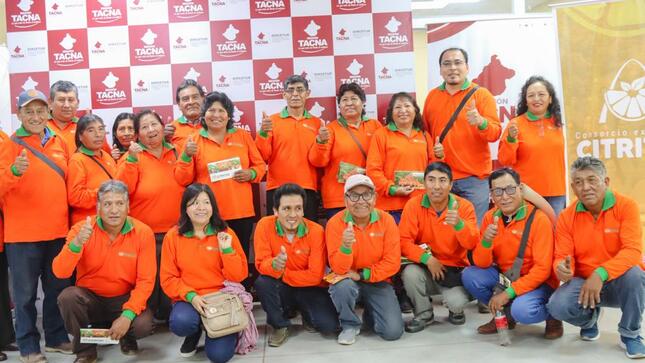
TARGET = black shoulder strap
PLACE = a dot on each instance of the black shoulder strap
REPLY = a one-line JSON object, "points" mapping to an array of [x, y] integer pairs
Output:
{"points": [[100, 165], [453, 118], [514, 272], [358, 143], [39, 155]]}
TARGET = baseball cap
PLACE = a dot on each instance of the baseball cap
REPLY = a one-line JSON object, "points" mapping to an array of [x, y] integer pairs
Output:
{"points": [[358, 179], [30, 95]]}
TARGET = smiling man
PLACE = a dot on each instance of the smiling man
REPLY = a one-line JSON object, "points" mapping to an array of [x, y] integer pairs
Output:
{"points": [[189, 97], [599, 259]]}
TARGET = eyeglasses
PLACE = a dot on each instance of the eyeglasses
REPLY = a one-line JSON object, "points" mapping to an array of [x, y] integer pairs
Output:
{"points": [[355, 197], [498, 192], [292, 90]]}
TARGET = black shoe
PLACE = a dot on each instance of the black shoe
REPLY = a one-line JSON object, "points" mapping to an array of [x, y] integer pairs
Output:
{"points": [[456, 318], [129, 345], [3, 356], [189, 346], [417, 324], [11, 347], [405, 304]]}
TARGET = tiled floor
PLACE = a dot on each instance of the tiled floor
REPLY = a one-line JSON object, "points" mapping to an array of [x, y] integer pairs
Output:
{"points": [[440, 342]]}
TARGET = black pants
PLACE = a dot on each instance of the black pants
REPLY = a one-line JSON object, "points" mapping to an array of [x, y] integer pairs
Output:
{"points": [[243, 228], [311, 204], [7, 334], [158, 302]]}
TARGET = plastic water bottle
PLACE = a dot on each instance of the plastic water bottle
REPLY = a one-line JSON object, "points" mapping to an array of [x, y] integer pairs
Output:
{"points": [[501, 323]]}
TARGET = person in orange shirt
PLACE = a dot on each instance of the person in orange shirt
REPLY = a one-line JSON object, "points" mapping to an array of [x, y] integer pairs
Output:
{"points": [[364, 253], [501, 233], [599, 258], [398, 155], [226, 159], [88, 167], [199, 256], [477, 124], [123, 134], [290, 257], [437, 229], [533, 143], [189, 97], [284, 141], [344, 151], [154, 193], [113, 256], [34, 199]]}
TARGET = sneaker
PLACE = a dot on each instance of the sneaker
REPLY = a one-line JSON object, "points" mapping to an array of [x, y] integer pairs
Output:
{"points": [[129, 345], [553, 329], [590, 334], [278, 337], [64, 348], [189, 346], [634, 347], [33, 358], [348, 336], [456, 318], [418, 324]]}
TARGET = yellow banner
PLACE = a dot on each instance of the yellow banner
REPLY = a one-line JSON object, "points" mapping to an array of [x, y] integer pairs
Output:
{"points": [[602, 56]]}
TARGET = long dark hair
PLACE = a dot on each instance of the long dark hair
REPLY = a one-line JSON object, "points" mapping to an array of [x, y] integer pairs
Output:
{"points": [[82, 125], [554, 107], [117, 121], [188, 198], [226, 103], [418, 118]]}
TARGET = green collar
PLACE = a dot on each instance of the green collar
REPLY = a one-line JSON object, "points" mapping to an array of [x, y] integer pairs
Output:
{"points": [[24, 133], [519, 215], [209, 231], [607, 202], [532, 117], [127, 226], [425, 201], [302, 229], [182, 120], [343, 121], [285, 113], [203, 132], [463, 86], [86, 151], [374, 217], [74, 119], [392, 127]]}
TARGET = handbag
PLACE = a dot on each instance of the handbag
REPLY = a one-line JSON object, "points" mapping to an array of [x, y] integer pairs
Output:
{"points": [[224, 314]]}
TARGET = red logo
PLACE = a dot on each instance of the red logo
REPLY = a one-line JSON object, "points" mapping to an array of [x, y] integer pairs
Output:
{"points": [[392, 32], [25, 81], [356, 68], [25, 15], [244, 116], [106, 13], [351, 6], [384, 74], [312, 36], [110, 87], [268, 76], [270, 8], [67, 49], [494, 76], [149, 44], [231, 39], [188, 10], [199, 72]]}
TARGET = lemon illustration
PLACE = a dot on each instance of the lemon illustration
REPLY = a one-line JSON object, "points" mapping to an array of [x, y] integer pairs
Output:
{"points": [[626, 96]]}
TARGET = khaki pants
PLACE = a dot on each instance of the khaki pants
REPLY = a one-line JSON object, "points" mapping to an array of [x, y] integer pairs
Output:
{"points": [[419, 285]]}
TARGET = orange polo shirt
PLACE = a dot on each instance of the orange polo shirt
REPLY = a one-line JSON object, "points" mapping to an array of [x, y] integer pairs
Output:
{"points": [[155, 196], [285, 149], [84, 178], [234, 199], [465, 146], [68, 132], [112, 268], [537, 154], [341, 148], [421, 225], [610, 245], [190, 265], [39, 195], [538, 255], [3, 138], [376, 252], [392, 151], [305, 254], [183, 129]]}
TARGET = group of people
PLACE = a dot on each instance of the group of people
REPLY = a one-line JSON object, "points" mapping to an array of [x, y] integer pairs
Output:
{"points": [[137, 234]]}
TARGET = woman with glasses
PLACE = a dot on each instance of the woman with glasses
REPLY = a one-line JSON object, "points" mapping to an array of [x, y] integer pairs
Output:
{"points": [[89, 167], [344, 153], [533, 143]]}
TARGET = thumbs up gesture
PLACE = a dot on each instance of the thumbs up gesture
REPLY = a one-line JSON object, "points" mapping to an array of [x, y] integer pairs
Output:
{"points": [[224, 240], [513, 130], [474, 119], [280, 261], [267, 124], [83, 234], [452, 215], [191, 146], [169, 129], [323, 133], [438, 149], [563, 270], [135, 149], [116, 153], [22, 162], [491, 230], [349, 238]]}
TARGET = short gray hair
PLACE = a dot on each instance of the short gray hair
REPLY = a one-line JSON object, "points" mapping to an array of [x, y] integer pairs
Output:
{"points": [[62, 86], [112, 186], [591, 163]]}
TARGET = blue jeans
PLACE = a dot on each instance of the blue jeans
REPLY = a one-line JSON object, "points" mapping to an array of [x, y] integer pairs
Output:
{"points": [[626, 292], [381, 307], [29, 261], [185, 321], [396, 214], [557, 202], [330, 212], [476, 191], [528, 308], [314, 303]]}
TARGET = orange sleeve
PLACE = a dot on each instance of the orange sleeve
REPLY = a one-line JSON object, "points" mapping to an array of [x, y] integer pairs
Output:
{"points": [[128, 172], [184, 170], [485, 103], [146, 270], [375, 161], [630, 235], [8, 153], [507, 149], [563, 246], [409, 230], [483, 252], [541, 240], [390, 261], [235, 265], [255, 158], [64, 264], [320, 154], [468, 236], [169, 274], [262, 248], [313, 275], [78, 194], [339, 261]]}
